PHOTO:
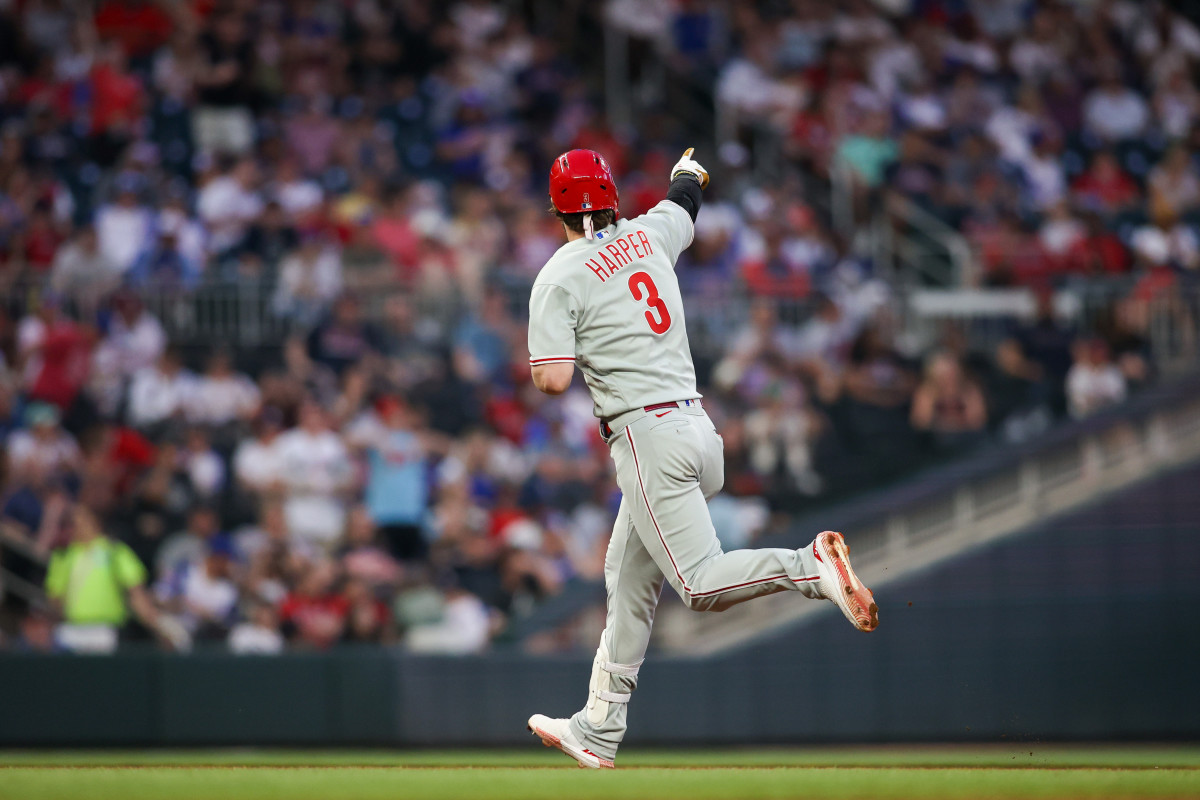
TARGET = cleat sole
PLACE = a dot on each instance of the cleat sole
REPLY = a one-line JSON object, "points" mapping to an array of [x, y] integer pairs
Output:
{"points": [[856, 602]]}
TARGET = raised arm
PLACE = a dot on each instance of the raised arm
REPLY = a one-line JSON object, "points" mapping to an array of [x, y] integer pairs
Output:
{"points": [[688, 181]]}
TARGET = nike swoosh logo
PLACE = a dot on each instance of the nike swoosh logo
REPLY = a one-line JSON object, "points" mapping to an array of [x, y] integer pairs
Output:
{"points": [[664, 413]]}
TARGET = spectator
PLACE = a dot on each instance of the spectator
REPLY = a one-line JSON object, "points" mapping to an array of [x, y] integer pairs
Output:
{"points": [[159, 394], [271, 237], [222, 397], [309, 281], [1105, 187], [135, 335], [192, 544], [462, 627], [868, 153], [223, 123], [200, 593], [368, 620], [397, 494], [229, 204], [1174, 185], [316, 474], [258, 634], [256, 463], [165, 264], [344, 338], [362, 556], [82, 272], [482, 343], [1094, 381], [54, 353], [1113, 112], [123, 227], [44, 449], [314, 616], [95, 582], [948, 404]]}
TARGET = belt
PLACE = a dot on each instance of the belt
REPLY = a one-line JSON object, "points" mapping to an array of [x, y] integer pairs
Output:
{"points": [[605, 424]]}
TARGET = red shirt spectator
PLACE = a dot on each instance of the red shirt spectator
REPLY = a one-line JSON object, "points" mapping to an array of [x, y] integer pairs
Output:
{"points": [[1105, 186], [116, 96], [318, 619], [41, 240], [65, 355], [139, 26], [1099, 253]]}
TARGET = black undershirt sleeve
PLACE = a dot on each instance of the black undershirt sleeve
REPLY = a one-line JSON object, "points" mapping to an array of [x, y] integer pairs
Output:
{"points": [[685, 191]]}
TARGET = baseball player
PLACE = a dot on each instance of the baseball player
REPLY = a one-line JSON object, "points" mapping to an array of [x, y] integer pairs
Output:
{"points": [[609, 302]]}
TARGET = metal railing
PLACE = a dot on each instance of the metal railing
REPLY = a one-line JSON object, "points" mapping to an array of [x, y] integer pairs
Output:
{"points": [[1171, 318], [245, 315], [907, 243]]}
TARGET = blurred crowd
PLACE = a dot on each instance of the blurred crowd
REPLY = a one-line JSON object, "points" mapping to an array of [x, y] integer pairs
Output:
{"points": [[375, 171]]}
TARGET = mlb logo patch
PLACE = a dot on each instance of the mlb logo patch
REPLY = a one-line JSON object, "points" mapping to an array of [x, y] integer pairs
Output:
{"points": [[587, 201]]}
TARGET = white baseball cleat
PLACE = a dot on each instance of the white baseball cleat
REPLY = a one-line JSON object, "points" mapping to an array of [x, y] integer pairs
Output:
{"points": [[839, 583], [557, 733]]}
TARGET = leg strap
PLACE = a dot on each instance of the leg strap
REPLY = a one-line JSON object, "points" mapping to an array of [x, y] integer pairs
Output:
{"points": [[628, 670], [612, 697]]}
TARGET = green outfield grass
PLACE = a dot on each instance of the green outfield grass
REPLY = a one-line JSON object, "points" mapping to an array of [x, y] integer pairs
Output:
{"points": [[1006, 771]]}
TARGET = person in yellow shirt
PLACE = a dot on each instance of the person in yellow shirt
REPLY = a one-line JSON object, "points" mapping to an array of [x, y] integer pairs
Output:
{"points": [[95, 582]]}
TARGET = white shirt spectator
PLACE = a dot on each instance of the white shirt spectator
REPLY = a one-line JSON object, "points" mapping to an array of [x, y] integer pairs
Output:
{"points": [[257, 465], [81, 270], [1059, 233], [123, 232], [227, 208], [138, 344], [923, 110], [299, 196], [203, 596], [1011, 128], [31, 335], [28, 454], [462, 630], [190, 236], [893, 63], [1115, 113], [218, 400], [155, 396], [308, 281], [315, 466], [1046, 178], [1035, 60], [1091, 387], [863, 27], [206, 471], [249, 639]]}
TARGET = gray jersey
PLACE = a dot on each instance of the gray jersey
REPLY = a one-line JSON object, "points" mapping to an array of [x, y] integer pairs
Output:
{"points": [[612, 306]]}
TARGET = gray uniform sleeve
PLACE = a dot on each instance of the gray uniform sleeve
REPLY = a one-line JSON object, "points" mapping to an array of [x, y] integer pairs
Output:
{"points": [[673, 225], [553, 315]]}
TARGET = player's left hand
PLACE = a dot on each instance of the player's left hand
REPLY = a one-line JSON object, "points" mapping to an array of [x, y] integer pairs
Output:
{"points": [[686, 166]]}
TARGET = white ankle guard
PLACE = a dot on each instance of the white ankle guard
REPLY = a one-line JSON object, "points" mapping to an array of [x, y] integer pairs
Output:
{"points": [[601, 693]]}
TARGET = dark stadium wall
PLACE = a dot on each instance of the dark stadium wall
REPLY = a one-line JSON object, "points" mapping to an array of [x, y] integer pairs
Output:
{"points": [[1082, 629]]}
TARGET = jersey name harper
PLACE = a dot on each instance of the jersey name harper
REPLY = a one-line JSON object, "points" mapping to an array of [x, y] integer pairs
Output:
{"points": [[612, 306], [637, 242]]}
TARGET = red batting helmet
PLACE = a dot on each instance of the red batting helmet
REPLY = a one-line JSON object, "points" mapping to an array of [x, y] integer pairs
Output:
{"points": [[580, 181]]}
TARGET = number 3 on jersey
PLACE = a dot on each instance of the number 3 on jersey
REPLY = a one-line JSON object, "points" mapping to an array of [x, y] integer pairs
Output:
{"points": [[658, 316]]}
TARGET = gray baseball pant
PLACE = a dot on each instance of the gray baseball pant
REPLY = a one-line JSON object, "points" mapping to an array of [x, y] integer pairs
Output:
{"points": [[668, 463]]}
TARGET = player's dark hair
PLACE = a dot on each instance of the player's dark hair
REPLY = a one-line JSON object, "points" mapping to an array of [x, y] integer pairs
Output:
{"points": [[600, 219]]}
